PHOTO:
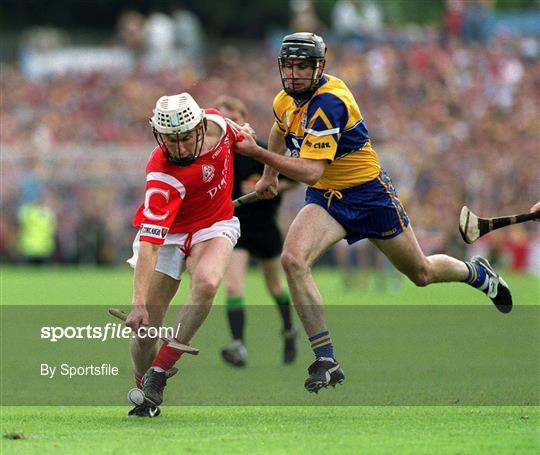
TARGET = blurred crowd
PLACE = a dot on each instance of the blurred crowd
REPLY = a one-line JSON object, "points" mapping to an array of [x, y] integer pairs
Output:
{"points": [[455, 122]]}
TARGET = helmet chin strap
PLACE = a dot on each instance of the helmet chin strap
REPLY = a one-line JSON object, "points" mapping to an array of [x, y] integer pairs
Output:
{"points": [[307, 93], [199, 141], [301, 96]]}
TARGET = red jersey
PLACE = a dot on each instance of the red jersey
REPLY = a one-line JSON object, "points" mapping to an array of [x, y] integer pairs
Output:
{"points": [[186, 199]]}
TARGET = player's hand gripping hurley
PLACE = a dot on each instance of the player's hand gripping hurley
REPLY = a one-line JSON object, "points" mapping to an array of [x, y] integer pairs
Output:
{"points": [[249, 198], [172, 343]]}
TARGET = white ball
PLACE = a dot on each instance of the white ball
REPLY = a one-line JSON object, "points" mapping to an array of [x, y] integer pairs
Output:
{"points": [[136, 396]]}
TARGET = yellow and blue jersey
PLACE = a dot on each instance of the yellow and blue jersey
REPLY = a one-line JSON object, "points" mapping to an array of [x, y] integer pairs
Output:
{"points": [[329, 126]]}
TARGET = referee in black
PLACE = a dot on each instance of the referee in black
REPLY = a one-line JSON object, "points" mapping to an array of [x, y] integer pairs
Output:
{"points": [[260, 239]]}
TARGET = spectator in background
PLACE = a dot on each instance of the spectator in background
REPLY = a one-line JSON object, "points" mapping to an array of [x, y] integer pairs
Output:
{"points": [[31, 183], [160, 38], [356, 22], [452, 19], [188, 33], [173, 41], [304, 15], [37, 230], [477, 18], [131, 29], [515, 245]]}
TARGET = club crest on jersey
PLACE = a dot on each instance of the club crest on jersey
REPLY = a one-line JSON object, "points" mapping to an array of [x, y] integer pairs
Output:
{"points": [[208, 172]]}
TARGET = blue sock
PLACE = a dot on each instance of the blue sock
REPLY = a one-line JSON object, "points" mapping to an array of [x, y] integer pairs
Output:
{"points": [[477, 274], [322, 345]]}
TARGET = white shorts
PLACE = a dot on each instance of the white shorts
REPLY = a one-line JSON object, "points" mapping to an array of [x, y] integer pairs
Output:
{"points": [[172, 260]]}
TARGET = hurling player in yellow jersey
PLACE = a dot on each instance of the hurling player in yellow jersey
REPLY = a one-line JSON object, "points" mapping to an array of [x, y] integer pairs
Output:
{"points": [[320, 138]]}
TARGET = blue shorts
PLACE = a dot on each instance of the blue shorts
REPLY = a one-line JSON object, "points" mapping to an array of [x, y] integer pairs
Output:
{"points": [[371, 210]]}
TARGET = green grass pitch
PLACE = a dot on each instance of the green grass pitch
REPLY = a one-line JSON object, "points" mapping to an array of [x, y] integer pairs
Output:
{"points": [[452, 429]]}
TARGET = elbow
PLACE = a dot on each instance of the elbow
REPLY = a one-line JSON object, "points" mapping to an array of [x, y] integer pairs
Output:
{"points": [[314, 176], [311, 180]]}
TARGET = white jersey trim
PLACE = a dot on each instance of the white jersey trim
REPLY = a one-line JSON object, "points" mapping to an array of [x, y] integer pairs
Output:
{"points": [[169, 180], [219, 120], [322, 133]]}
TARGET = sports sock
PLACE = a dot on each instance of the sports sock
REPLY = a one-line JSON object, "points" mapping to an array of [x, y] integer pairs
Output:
{"points": [[236, 317], [322, 345], [166, 357], [477, 276], [138, 382], [284, 305]]}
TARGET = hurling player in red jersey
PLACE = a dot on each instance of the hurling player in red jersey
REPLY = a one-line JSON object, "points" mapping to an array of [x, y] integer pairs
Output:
{"points": [[185, 223]]}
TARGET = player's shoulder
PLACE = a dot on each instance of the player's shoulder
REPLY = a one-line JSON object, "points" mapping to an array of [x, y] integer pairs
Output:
{"points": [[224, 127], [333, 96], [333, 84], [280, 96], [211, 112], [331, 90], [156, 161], [214, 116], [281, 101]]}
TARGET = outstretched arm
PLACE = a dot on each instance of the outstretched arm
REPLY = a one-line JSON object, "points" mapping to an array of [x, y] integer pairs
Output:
{"points": [[276, 144], [301, 169]]}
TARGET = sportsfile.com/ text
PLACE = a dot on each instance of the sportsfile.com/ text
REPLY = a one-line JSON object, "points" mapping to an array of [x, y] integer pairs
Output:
{"points": [[110, 331]]}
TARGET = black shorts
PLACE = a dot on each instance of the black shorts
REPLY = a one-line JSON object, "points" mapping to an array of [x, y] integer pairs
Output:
{"points": [[261, 240]]}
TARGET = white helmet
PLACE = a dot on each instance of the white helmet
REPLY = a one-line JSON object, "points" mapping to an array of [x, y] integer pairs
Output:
{"points": [[178, 115]]}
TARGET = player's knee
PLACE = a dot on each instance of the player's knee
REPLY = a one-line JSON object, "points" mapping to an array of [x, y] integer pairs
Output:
{"points": [[145, 342], [292, 263], [205, 285], [420, 277]]}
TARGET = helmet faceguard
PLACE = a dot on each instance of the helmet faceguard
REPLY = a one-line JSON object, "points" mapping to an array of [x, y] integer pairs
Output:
{"points": [[297, 49], [176, 118]]}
